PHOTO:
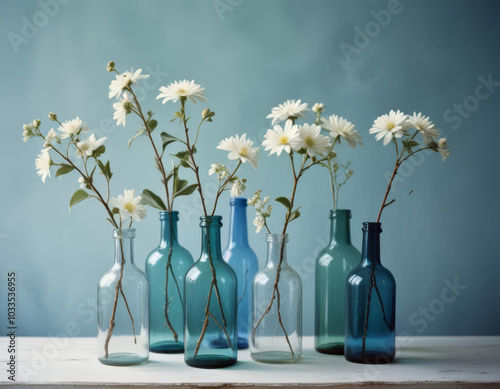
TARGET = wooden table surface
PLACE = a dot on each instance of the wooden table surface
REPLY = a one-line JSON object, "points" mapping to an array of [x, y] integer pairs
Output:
{"points": [[421, 362]]}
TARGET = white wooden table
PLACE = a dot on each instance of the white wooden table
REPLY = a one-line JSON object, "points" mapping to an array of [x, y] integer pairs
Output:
{"points": [[421, 362]]}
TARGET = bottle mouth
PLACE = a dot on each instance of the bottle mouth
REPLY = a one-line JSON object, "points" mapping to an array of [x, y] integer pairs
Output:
{"points": [[277, 238], [166, 215], [211, 221], [238, 201], [120, 233], [336, 213], [372, 227]]}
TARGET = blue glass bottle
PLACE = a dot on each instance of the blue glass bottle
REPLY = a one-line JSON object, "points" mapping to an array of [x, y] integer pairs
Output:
{"points": [[243, 260], [122, 307], [370, 305], [210, 334], [333, 265], [166, 268]]}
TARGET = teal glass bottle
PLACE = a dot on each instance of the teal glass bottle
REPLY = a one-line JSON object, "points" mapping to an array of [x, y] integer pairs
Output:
{"points": [[333, 265], [122, 307], [370, 305], [210, 297], [243, 260], [166, 268]]}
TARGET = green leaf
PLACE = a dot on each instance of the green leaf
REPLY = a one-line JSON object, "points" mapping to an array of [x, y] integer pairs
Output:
{"points": [[179, 184], [167, 139], [141, 131], [408, 144], [294, 215], [105, 169], [285, 202], [187, 190], [64, 169], [149, 198], [182, 155], [99, 151], [77, 197], [115, 211], [187, 164], [152, 125]]}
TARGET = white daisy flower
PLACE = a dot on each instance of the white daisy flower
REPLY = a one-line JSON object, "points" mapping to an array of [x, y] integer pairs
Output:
{"points": [[443, 148], [312, 141], [123, 81], [86, 148], [122, 109], [43, 164], [178, 89], [259, 222], [290, 109], [390, 126], [72, 127], [238, 187], [240, 148], [338, 126], [279, 139], [129, 206], [424, 125], [51, 136], [317, 108]]}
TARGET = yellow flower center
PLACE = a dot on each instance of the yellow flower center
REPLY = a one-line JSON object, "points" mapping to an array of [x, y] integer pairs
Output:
{"points": [[181, 91], [309, 141], [283, 140], [244, 152], [129, 206], [85, 147], [390, 126]]}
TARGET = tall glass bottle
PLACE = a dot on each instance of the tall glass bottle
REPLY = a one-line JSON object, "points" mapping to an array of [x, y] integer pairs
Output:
{"points": [[166, 267], [210, 335], [277, 308], [243, 260], [370, 305], [122, 307], [333, 265]]}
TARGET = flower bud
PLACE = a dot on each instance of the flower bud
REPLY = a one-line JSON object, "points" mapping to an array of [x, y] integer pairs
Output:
{"points": [[110, 67], [53, 116], [36, 123]]}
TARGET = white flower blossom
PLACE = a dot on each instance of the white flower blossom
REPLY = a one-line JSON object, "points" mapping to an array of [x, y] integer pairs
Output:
{"points": [[123, 81], [86, 148], [122, 109], [443, 148], [317, 108], [240, 148], [290, 109], [184, 89], [424, 125], [390, 126], [43, 164], [129, 206], [82, 183], [51, 136], [311, 140], [238, 187], [279, 139], [340, 127], [259, 222], [72, 127], [220, 169]]}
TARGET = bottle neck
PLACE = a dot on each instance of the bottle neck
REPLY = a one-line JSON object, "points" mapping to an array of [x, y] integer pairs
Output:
{"points": [[124, 246], [238, 234], [276, 250], [371, 244], [340, 227], [168, 232], [210, 241]]}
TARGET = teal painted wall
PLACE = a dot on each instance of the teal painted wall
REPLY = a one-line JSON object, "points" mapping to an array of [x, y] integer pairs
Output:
{"points": [[426, 56]]}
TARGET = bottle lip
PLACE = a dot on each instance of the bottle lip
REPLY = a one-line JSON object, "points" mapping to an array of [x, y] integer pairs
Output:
{"points": [[277, 238], [372, 226], [238, 201], [340, 213], [119, 233], [164, 215], [211, 221]]}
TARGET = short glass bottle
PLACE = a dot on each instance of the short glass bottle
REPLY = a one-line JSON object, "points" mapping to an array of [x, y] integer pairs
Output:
{"points": [[243, 260], [370, 305], [166, 268], [277, 307], [333, 265], [210, 297], [122, 307]]}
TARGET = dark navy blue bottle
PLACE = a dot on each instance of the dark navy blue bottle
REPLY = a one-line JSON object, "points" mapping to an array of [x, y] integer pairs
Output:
{"points": [[243, 260], [370, 305]]}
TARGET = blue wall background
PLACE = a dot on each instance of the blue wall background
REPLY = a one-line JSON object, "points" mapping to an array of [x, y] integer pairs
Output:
{"points": [[250, 56]]}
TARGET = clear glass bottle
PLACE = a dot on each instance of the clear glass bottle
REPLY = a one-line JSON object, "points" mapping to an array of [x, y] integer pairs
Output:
{"points": [[277, 312], [122, 307], [370, 305], [333, 265], [210, 335], [166, 267], [243, 260]]}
